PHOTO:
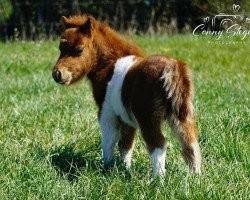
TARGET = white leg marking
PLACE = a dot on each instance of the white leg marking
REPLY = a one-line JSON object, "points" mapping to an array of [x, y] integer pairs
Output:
{"points": [[126, 155], [110, 135], [197, 158], [158, 161], [108, 145]]}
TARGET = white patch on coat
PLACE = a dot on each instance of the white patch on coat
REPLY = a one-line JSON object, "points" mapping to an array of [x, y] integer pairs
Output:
{"points": [[158, 161], [113, 97], [113, 107], [197, 158]]}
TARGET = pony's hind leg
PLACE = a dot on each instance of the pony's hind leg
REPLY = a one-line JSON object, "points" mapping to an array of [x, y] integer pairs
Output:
{"points": [[126, 143], [156, 145], [187, 133]]}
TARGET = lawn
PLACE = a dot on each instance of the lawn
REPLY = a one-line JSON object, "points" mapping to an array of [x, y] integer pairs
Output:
{"points": [[50, 138]]}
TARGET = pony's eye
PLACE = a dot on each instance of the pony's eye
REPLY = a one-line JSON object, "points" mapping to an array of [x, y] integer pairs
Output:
{"points": [[79, 50]]}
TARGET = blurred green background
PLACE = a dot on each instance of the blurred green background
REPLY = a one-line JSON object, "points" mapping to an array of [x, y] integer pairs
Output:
{"points": [[34, 20]]}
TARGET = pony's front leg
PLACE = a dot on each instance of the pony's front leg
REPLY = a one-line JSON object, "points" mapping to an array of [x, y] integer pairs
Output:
{"points": [[110, 136]]}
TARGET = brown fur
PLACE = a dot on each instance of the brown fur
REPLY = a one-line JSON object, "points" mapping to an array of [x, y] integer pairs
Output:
{"points": [[103, 45], [127, 137], [155, 88], [144, 96]]}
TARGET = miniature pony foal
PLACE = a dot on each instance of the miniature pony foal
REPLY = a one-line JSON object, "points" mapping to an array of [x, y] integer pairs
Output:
{"points": [[130, 90]]}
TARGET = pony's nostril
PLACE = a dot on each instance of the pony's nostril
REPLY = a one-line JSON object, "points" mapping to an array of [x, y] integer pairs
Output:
{"points": [[57, 75]]}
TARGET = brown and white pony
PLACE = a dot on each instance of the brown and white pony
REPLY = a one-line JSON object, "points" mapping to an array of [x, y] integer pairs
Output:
{"points": [[131, 91]]}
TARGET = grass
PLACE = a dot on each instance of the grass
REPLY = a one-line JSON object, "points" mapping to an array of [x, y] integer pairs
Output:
{"points": [[50, 138]]}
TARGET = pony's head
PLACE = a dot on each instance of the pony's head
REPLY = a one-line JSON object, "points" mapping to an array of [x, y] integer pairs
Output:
{"points": [[77, 52]]}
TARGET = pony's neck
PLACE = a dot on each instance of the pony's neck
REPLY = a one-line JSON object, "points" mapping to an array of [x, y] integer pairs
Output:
{"points": [[110, 46]]}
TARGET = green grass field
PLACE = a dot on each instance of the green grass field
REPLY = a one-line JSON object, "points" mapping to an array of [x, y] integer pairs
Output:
{"points": [[50, 138]]}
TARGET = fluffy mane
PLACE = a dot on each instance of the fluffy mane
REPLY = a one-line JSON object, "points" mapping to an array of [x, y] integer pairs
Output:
{"points": [[121, 46]]}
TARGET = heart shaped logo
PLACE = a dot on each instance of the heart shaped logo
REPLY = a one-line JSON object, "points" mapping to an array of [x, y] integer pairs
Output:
{"points": [[206, 19], [248, 20], [236, 7]]}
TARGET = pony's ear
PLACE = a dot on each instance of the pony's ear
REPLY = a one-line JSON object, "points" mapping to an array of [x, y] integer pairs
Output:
{"points": [[66, 22], [88, 27]]}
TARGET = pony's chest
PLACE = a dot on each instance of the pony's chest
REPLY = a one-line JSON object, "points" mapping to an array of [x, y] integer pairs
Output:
{"points": [[113, 99]]}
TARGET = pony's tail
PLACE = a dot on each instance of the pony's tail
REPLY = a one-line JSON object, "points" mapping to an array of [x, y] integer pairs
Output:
{"points": [[178, 86]]}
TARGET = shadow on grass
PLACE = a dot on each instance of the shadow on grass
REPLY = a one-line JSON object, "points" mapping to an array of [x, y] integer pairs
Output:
{"points": [[70, 163]]}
